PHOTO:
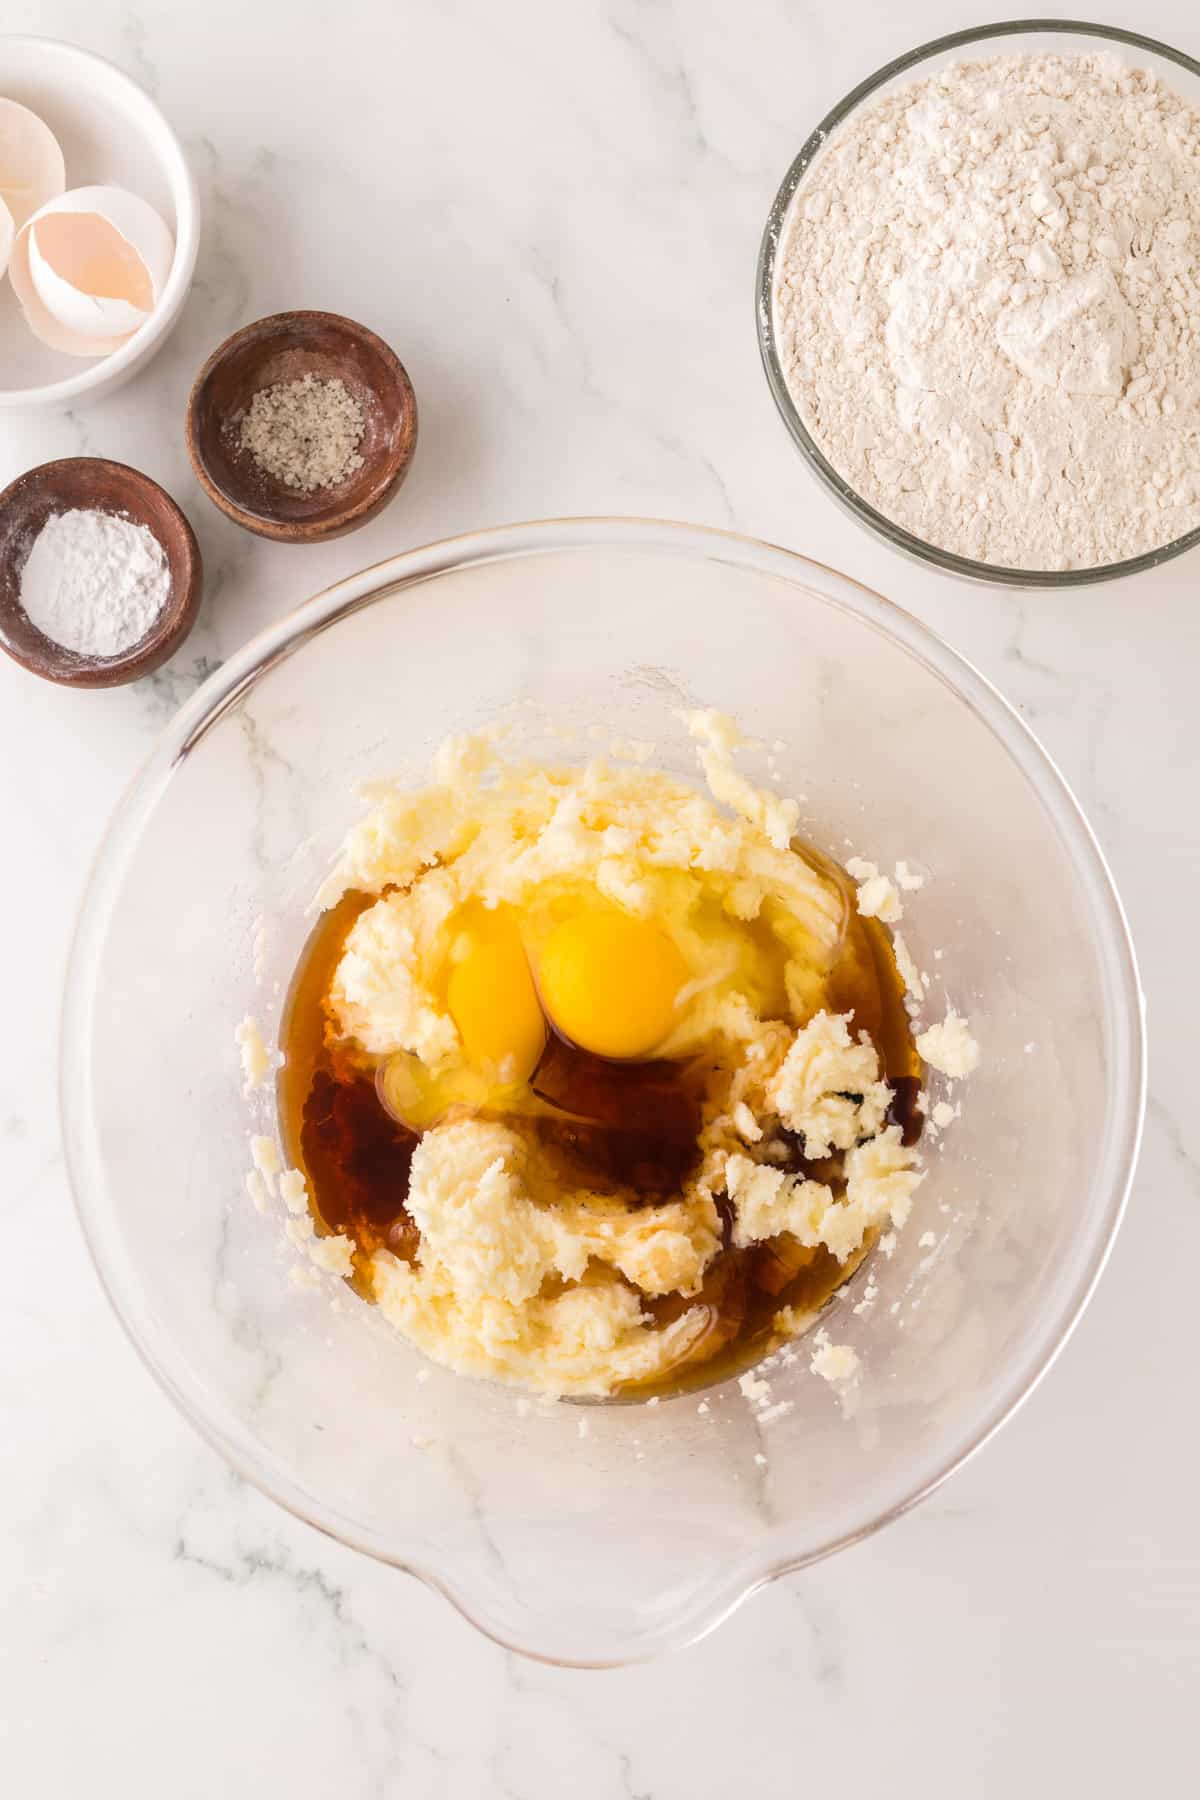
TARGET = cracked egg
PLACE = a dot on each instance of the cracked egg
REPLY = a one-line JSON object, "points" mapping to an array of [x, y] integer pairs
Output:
{"points": [[32, 170], [88, 268]]}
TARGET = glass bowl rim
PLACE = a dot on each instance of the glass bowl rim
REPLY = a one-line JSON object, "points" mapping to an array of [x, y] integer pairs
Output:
{"points": [[412, 568], [906, 542]]}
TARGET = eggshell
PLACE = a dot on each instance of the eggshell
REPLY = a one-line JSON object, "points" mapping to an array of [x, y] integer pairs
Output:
{"points": [[95, 315], [32, 169], [57, 312], [7, 233]]}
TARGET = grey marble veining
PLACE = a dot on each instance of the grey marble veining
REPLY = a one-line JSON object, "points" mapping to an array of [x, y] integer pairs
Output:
{"points": [[553, 213]]}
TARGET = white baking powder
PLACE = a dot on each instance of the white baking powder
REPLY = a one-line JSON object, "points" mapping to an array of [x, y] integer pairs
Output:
{"points": [[94, 583], [988, 310]]}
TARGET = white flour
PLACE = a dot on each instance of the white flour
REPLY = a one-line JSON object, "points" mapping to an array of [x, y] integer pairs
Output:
{"points": [[988, 310], [94, 583]]}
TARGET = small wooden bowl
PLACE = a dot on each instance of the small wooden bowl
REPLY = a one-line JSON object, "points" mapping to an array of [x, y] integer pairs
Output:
{"points": [[284, 348], [92, 484]]}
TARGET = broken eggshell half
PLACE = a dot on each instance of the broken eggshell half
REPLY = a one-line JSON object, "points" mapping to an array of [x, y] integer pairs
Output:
{"points": [[88, 269], [32, 170]]}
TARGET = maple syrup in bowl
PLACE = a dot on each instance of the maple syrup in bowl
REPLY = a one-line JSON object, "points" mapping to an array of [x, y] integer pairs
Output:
{"points": [[644, 1528]]}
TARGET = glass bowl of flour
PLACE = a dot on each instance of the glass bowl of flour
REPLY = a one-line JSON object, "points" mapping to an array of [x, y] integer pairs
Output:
{"points": [[978, 306], [596, 1533]]}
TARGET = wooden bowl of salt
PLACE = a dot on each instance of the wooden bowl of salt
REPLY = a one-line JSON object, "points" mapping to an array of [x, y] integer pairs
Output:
{"points": [[302, 426]]}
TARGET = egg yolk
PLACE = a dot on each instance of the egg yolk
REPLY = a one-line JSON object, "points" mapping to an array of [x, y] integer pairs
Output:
{"points": [[494, 1003], [608, 982]]}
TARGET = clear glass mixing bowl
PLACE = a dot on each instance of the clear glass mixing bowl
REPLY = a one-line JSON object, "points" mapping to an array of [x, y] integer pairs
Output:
{"points": [[643, 1533], [1013, 37]]}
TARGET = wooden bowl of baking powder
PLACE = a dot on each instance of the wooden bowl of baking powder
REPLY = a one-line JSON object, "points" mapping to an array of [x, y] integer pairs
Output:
{"points": [[93, 486], [302, 426]]}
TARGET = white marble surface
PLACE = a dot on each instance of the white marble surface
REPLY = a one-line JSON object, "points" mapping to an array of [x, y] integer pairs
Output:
{"points": [[553, 213]]}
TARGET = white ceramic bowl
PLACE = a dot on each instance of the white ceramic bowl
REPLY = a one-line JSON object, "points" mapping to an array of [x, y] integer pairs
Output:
{"points": [[111, 132]]}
